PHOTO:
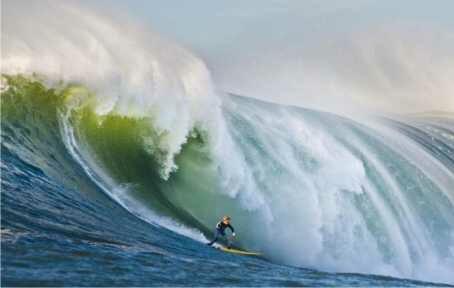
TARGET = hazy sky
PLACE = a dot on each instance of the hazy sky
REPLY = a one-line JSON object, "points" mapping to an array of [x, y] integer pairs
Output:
{"points": [[215, 24], [309, 51]]}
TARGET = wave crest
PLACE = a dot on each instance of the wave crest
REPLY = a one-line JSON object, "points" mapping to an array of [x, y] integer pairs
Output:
{"points": [[131, 72]]}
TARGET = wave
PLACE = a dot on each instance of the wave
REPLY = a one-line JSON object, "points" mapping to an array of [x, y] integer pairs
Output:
{"points": [[311, 189], [142, 120]]}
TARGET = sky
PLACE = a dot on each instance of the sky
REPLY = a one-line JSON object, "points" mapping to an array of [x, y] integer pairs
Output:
{"points": [[354, 53], [208, 24]]}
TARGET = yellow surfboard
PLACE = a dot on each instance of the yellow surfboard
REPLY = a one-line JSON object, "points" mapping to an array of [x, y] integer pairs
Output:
{"points": [[240, 252]]}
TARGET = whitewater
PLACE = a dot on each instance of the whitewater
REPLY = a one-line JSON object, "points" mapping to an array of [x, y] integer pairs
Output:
{"points": [[119, 150]]}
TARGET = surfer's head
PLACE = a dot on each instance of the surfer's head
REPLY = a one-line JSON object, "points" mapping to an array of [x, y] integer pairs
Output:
{"points": [[226, 219]]}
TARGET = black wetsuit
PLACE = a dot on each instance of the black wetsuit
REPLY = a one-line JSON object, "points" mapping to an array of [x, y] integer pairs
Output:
{"points": [[220, 231]]}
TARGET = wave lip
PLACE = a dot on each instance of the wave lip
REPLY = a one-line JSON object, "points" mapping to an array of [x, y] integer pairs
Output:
{"points": [[131, 72]]}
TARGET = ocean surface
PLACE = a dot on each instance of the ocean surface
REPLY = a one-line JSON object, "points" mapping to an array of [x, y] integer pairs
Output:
{"points": [[84, 201], [119, 155]]}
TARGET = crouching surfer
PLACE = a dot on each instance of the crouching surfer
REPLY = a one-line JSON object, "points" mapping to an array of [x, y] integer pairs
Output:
{"points": [[220, 230]]}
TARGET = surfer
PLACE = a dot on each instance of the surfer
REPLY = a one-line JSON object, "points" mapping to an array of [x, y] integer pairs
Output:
{"points": [[220, 230]]}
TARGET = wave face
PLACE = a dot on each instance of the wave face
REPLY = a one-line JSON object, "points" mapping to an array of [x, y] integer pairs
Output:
{"points": [[307, 188], [310, 189], [330, 187]]}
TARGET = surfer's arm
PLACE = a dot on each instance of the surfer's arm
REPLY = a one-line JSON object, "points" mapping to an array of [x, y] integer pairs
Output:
{"points": [[231, 228]]}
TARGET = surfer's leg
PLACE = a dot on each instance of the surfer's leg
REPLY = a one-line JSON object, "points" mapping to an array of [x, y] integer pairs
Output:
{"points": [[216, 237], [229, 243], [213, 241]]}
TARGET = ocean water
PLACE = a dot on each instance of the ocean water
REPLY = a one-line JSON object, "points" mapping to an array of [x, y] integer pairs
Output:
{"points": [[115, 170], [63, 224]]}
